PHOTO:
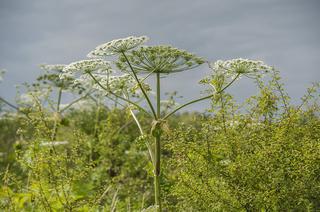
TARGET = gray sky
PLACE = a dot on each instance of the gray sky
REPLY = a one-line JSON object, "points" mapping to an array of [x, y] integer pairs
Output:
{"points": [[283, 33]]}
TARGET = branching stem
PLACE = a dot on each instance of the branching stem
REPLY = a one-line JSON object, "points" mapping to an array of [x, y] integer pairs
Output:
{"points": [[114, 94], [200, 99]]}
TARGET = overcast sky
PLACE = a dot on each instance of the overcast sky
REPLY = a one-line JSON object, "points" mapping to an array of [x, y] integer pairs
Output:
{"points": [[283, 33]]}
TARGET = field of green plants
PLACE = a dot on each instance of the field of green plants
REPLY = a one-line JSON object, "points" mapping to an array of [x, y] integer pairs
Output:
{"points": [[121, 144]]}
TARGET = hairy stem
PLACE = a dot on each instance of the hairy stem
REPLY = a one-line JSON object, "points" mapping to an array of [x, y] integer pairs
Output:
{"points": [[157, 153]]}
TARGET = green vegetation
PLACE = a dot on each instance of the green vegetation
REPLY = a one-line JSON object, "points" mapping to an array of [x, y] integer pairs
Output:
{"points": [[117, 146]]}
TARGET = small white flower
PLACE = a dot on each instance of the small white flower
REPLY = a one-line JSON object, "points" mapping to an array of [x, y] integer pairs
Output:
{"points": [[225, 162], [54, 143], [117, 46]]}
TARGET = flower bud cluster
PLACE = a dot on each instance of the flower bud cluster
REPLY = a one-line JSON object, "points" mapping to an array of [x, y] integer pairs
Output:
{"points": [[160, 59]]}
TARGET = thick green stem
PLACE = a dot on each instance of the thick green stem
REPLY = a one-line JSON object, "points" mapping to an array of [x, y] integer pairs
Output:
{"points": [[158, 96], [157, 153], [157, 174]]}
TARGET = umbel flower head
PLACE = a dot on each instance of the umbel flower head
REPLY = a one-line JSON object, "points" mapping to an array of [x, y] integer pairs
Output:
{"points": [[160, 59], [52, 75], [53, 67], [121, 85], [84, 66], [227, 71], [78, 72], [117, 46], [246, 67]]}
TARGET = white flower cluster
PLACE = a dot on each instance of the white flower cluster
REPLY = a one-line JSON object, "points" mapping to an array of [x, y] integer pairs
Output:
{"points": [[226, 72], [86, 81], [84, 66], [87, 66], [53, 143], [249, 68], [117, 46], [117, 84], [121, 83], [53, 67]]}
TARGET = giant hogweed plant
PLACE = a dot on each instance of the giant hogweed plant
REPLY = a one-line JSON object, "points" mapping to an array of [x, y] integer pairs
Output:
{"points": [[123, 80]]}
